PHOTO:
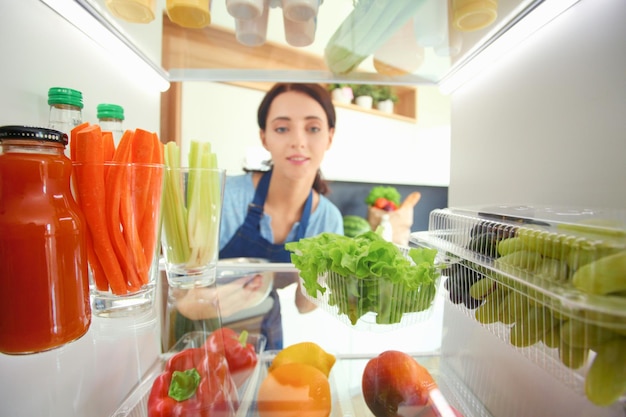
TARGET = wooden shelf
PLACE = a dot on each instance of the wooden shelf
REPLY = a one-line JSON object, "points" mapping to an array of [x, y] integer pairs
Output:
{"points": [[216, 47]]}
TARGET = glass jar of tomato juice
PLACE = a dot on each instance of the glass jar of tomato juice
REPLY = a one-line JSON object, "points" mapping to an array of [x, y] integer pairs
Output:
{"points": [[44, 286]]}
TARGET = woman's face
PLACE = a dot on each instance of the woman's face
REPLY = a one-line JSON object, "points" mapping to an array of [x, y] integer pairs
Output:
{"points": [[297, 134]]}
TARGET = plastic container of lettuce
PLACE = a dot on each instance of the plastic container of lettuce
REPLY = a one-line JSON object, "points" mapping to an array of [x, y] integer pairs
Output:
{"points": [[367, 282]]}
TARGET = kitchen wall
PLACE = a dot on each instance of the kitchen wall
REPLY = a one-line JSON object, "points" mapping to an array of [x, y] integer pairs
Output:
{"points": [[366, 148]]}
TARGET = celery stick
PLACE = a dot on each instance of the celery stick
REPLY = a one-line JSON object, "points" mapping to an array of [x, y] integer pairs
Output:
{"points": [[175, 215], [203, 224], [192, 231]]}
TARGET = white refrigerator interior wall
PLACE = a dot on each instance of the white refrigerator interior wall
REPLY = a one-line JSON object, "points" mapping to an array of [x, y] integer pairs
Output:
{"points": [[545, 125], [88, 378], [365, 148], [41, 50]]}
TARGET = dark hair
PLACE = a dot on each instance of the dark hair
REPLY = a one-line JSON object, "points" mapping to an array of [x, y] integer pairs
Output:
{"points": [[317, 93]]}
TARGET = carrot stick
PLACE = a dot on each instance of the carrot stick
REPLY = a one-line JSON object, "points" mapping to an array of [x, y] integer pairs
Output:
{"points": [[72, 139], [141, 153], [150, 220], [96, 268], [91, 191], [99, 276], [131, 236], [115, 181], [108, 149]]}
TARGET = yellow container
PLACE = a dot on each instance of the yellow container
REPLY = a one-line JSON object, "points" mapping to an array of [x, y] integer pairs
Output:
{"points": [[134, 11], [470, 15], [194, 14]]}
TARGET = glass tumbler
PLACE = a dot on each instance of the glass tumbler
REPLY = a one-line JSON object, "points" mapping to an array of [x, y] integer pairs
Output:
{"points": [[123, 215], [191, 221]]}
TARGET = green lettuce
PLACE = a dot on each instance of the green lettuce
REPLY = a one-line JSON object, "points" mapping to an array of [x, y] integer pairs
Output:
{"points": [[366, 274]]}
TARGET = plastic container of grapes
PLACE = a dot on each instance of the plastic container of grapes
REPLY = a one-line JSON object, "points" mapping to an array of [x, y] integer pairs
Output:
{"points": [[393, 305], [549, 281]]}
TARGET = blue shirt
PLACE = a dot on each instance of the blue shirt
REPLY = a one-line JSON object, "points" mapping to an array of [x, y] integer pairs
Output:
{"points": [[239, 192]]}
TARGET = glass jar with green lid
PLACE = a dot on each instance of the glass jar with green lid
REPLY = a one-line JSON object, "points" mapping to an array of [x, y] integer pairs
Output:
{"points": [[66, 109], [110, 118]]}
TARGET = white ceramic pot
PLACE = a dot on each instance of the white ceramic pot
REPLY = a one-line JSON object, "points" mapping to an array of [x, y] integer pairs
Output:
{"points": [[340, 95], [385, 106], [364, 101]]}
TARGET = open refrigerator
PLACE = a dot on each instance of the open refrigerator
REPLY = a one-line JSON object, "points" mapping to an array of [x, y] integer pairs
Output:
{"points": [[530, 292], [480, 372]]}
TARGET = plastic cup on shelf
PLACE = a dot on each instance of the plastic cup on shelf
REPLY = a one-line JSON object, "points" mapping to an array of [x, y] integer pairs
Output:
{"points": [[134, 11], [300, 10], [470, 15], [299, 33], [194, 14], [244, 9], [252, 32]]}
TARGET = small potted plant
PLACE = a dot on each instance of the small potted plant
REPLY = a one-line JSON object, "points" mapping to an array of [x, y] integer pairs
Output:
{"points": [[384, 97], [341, 93], [363, 95]]}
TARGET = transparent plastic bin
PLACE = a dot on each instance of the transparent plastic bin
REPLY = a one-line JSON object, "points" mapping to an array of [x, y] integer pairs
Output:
{"points": [[550, 282], [345, 381], [390, 306], [136, 403]]}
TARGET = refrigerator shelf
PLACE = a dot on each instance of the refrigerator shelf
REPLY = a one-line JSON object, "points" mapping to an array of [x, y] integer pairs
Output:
{"points": [[548, 282], [344, 379], [345, 384], [136, 403]]}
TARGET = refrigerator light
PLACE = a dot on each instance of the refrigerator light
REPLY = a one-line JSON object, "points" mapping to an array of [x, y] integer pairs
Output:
{"points": [[136, 66], [480, 60]]}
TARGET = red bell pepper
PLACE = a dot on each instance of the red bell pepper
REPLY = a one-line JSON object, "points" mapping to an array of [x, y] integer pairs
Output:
{"points": [[240, 355], [194, 383]]}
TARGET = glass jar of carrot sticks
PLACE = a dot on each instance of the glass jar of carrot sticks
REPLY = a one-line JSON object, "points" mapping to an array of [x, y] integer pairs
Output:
{"points": [[44, 295]]}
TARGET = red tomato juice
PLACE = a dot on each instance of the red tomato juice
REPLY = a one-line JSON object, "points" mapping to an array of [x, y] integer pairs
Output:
{"points": [[44, 288]]}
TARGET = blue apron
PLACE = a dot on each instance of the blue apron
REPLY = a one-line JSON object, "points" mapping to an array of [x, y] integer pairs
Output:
{"points": [[248, 242]]}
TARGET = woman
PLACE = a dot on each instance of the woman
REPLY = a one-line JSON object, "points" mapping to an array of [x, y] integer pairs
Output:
{"points": [[264, 210]]}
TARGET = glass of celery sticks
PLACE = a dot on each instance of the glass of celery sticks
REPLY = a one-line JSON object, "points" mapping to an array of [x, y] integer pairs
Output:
{"points": [[192, 208]]}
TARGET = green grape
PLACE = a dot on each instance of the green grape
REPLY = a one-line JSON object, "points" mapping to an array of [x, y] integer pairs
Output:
{"points": [[482, 288], [577, 333], [530, 327], [611, 321], [513, 307], [572, 357], [488, 311], [586, 252], [523, 259], [552, 269], [546, 243], [605, 382], [510, 245], [603, 276], [552, 338]]}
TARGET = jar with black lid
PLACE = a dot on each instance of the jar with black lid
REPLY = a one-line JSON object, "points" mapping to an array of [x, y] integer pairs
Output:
{"points": [[44, 286]]}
